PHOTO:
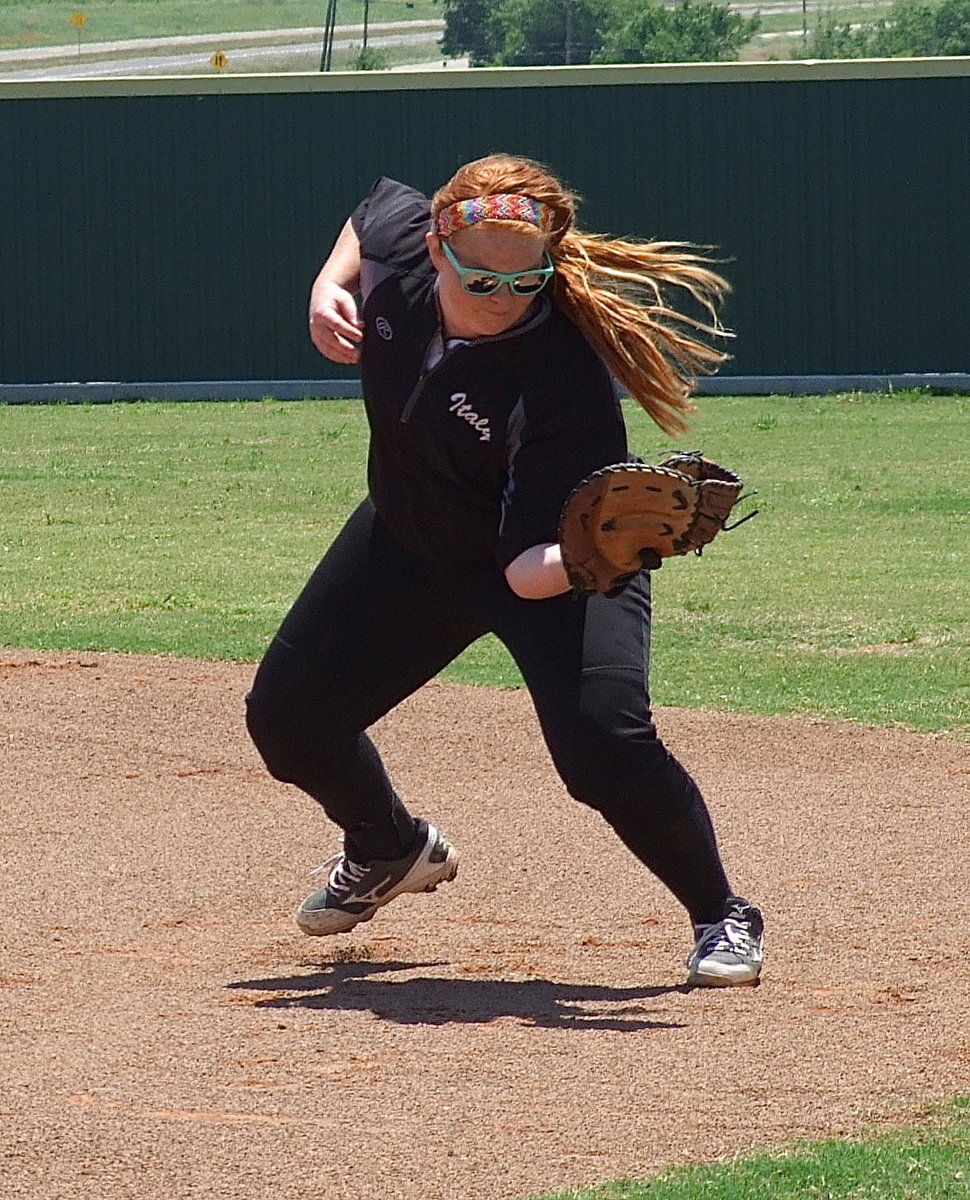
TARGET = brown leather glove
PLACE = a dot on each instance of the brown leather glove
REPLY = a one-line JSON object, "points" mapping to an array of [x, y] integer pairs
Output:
{"points": [[633, 515]]}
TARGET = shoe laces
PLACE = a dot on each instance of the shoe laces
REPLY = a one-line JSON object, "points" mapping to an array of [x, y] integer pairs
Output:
{"points": [[344, 874], [733, 934]]}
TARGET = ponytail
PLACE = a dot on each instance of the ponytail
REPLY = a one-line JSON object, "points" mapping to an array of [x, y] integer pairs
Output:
{"points": [[613, 291]]}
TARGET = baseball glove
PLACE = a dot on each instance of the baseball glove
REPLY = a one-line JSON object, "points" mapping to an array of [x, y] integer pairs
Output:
{"points": [[633, 515]]}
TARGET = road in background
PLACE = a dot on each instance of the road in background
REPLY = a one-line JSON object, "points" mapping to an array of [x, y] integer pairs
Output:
{"points": [[274, 50]]}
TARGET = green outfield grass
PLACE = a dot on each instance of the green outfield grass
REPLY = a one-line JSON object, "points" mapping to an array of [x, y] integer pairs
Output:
{"points": [[187, 529], [32, 23], [930, 1161]]}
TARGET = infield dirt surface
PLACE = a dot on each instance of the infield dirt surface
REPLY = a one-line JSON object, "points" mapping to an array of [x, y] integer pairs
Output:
{"points": [[168, 1032]]}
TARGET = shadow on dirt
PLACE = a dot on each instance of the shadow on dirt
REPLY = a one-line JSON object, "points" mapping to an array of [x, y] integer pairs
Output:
{"points": [[427, 1001]]}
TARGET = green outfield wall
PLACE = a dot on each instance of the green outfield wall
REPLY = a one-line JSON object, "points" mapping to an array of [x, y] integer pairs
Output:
{"points": [[168, 229]]}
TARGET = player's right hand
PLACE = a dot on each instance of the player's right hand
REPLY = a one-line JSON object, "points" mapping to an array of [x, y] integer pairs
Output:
{"points": [[335, 325]]}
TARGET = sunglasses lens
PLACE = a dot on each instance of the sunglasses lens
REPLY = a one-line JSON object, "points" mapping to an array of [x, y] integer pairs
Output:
{"points": [[528, 285], [481, 285]]}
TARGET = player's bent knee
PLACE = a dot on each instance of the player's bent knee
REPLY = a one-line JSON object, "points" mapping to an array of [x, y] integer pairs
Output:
{"points": [[270, 737], [293, 749], [612, 773]]}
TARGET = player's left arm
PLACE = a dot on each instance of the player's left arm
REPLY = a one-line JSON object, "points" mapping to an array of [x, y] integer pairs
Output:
{"points": [[575, 427]]}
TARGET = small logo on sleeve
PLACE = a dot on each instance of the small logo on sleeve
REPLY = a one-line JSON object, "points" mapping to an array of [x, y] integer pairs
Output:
{"points": [[383, 327], [465, 412]]}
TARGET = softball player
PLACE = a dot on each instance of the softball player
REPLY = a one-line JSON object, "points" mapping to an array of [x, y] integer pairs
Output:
{"points": [[489, 333]]}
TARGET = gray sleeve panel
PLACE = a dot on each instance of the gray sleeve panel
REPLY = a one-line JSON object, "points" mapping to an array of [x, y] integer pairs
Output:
{"points": [[371, 274]]}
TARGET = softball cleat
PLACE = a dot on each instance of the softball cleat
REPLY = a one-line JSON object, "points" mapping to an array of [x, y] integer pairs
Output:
{"points": [[729, 952], [355, 891]]}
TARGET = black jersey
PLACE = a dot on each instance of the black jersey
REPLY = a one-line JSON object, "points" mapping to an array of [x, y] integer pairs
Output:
{"points": [[474, 444]]}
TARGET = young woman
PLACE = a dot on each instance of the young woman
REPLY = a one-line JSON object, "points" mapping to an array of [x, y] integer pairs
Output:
{"points": [[489, 335]]}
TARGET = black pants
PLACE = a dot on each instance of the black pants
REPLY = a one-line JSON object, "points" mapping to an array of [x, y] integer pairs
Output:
{"points": [[374, 623]]}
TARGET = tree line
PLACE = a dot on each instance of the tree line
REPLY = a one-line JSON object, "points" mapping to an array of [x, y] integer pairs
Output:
{"points": [[910, 29], [519, 33]]}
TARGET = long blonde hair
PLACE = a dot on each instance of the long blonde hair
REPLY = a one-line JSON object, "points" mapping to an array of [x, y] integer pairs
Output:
{"points": [[613, 290]]}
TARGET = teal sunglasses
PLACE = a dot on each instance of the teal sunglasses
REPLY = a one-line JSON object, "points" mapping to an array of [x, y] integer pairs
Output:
{"points": [[479, 282]]}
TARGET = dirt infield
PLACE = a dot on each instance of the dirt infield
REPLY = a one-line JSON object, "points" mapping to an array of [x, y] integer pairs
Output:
{"points": [[167, 1032]]}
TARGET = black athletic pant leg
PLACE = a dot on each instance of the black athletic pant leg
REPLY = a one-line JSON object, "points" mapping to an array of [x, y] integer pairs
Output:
{"points": [[372, 625], [586, 664]]}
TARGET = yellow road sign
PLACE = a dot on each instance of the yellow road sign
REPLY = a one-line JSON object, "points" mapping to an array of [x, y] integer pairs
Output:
{"points": [[219, 61], [79, 20]]}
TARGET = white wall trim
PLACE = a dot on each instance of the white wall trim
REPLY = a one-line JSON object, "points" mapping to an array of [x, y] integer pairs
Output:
{"points": [[488, 77]]}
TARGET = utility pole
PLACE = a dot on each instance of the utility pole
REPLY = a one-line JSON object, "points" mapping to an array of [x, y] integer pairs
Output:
{"points": [[568, 47], [326, 53], [366, 13]]}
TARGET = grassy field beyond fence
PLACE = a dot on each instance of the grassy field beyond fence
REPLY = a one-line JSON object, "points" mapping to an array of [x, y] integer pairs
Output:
{"points": [[187, 529], [26, 24]]}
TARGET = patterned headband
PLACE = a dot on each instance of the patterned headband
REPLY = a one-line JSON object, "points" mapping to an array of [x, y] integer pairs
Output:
{"points": [[494, 208]]}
